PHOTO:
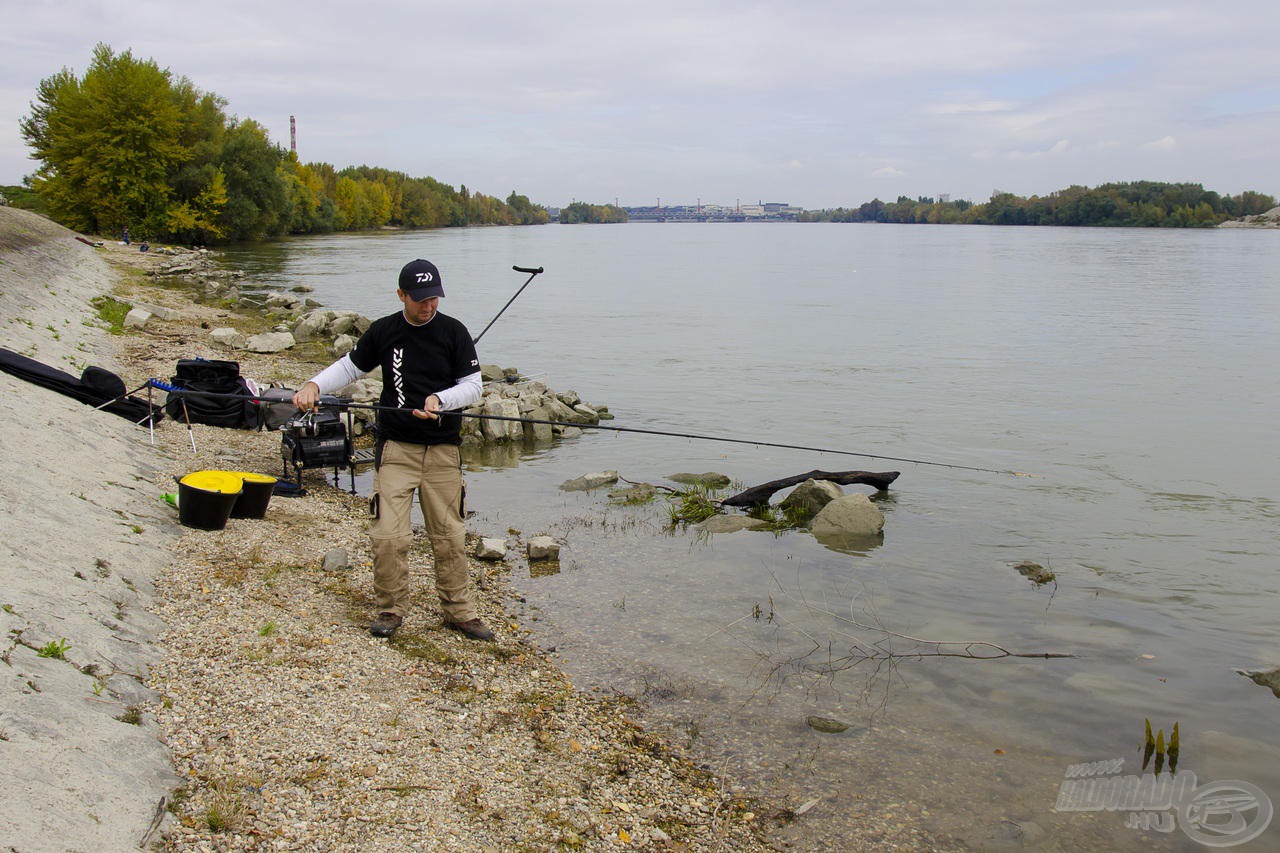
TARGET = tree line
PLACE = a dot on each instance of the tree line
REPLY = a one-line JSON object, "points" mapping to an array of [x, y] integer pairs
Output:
{"points": [[581, 212], [130, 145], [1131, 204]]}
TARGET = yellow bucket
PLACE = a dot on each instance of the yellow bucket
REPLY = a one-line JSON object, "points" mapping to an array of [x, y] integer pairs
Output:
{"points": [[205, 498], [255, 496]]}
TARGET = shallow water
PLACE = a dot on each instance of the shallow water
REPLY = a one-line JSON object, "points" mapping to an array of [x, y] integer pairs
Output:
{"points": [[1133, 371]]}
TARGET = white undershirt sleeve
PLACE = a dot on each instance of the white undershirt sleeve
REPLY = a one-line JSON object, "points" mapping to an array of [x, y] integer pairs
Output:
{"points": [[467, 391], [338, 375]]}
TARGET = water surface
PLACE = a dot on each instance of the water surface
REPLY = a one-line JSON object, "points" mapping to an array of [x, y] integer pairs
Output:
{"points": [[1133, 371]]}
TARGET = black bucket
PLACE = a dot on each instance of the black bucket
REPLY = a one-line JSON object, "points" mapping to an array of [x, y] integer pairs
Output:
{"points": [[205, 498], [255, 496]]}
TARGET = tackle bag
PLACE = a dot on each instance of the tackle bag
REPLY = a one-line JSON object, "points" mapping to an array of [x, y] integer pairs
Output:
{"points": [[213, 393], [95, 387], [276, 408]]}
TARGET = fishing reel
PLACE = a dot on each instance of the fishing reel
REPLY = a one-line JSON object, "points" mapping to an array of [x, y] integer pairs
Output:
{"points": [[315, 439]]}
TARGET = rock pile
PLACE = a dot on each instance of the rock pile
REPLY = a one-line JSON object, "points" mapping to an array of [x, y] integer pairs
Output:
{"points": [[506, 396]]}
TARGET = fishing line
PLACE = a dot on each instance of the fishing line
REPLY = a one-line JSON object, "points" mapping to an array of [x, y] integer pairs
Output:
{"points": [[621, 429]]}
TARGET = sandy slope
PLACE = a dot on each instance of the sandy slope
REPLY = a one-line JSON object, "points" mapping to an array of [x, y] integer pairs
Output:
{"points": [[82, 540]]}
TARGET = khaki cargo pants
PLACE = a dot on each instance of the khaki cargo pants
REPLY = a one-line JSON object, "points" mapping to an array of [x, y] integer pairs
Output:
{"points": [[435, 471]]}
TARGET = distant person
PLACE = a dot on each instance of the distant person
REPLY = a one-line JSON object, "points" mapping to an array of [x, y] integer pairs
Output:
{"points": [[429, 362], [124, 234], [144, 246]]}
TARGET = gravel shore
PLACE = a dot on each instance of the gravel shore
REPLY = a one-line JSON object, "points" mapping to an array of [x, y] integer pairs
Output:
{"points": [[223, 691], [293, 728]]}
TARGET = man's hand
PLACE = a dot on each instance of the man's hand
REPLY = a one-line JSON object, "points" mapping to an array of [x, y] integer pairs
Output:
{"points": [[307, 397], [430, 409]]}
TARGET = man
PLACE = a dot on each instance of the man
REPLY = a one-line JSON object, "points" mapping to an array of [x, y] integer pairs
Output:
{"points": [[429, 365]]}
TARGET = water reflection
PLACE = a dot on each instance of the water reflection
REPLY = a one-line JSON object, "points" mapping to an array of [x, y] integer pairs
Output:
{"points": [[503, 455], [846, 543]]}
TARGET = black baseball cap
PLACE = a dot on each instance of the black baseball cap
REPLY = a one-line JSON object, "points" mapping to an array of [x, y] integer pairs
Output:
{"points": [[421, 280]]}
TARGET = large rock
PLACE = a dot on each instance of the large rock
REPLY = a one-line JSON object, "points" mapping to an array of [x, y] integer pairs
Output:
{"points": [[490, 373], [311, 326], [492, 550], [562, 413], [849, 516], [270, 342], [811, 496], [590, 481], [159, 311], [543, 548], [342, 345], [590, 414], [540, 433], [501, 430], [137, 318], [282, 300], [227, 337]]}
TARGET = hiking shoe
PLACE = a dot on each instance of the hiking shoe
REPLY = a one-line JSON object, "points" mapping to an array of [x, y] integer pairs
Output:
{"points": [[386, 624], [473, 628]]}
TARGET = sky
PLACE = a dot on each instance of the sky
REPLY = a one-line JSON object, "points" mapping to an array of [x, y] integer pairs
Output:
{"points": [[817, 104]]}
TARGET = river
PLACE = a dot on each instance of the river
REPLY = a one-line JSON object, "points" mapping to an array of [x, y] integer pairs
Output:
{"points": [[1134, 373]]}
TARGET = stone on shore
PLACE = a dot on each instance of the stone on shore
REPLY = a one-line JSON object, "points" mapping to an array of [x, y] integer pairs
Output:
{"points": [[227, 337], [311, 326], [159, 311], [137, 318], [342, 345], [543, 548], [504, 430], [269, 342], [493, 550], [336, 560]]}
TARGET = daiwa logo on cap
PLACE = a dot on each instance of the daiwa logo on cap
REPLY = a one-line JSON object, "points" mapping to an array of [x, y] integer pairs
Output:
{"points": [[421, 280]]}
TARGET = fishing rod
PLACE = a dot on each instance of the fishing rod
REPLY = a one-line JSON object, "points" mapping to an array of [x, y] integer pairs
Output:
{"points": [[533, 271], [618, 429]]}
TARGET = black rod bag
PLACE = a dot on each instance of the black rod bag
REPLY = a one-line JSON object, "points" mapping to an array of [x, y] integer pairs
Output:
{"points": [[95, 386]]}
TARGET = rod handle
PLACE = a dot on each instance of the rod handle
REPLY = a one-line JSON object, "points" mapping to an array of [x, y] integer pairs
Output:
{"points": [[528, 269]]}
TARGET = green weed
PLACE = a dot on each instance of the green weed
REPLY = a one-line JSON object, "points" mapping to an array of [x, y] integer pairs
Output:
{"points": [[692, 504], [112, 312], [56, 649]]}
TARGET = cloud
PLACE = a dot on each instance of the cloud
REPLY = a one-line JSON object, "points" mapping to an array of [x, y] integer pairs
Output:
{"points": [[719, 99], [1058, 149], [961, 108]]}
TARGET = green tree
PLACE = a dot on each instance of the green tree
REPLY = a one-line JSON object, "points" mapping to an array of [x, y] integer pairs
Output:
{"points": [[199, 220], [256, 200], [109, 143]]}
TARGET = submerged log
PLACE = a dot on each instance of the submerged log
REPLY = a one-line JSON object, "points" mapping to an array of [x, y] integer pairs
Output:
{"points": [[760, 494]]}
